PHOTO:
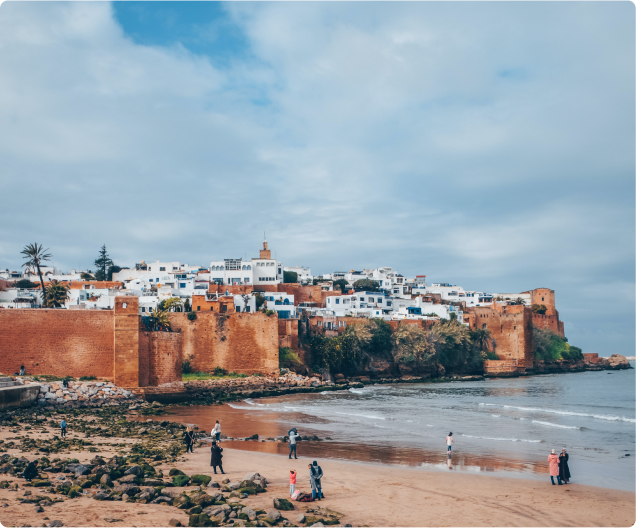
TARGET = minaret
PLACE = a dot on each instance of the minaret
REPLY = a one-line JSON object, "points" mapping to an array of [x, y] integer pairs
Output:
{"points": [[265, 253]]}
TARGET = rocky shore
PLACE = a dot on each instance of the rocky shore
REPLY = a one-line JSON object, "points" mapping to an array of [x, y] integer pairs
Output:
{"points": [[141, 469]]}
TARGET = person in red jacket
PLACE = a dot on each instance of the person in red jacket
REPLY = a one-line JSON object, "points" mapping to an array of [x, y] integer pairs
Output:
{"points": [[553, 460], [292, 482]]}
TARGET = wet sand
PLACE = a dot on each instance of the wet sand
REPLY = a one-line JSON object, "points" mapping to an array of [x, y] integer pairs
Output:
{"points": [[368, 494]]}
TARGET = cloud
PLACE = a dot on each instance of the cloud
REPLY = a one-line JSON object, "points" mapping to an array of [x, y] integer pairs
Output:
{"points": [[489, 145]]}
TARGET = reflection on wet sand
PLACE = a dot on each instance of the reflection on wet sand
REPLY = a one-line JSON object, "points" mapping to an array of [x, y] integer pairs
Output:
{"points": [[241, 423]]}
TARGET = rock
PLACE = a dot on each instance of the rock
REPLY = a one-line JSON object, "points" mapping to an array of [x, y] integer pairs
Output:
{"points": [[234, 485], [56, 524], [201, 519], [128, 489], [213, 484], [174, 522], [618, 361], [175, 471], [101, 496], [232, 515], [283, 504], [249, 513], [105, 481], [129, 479], [162, 499], [81, 469], [301, 518], [196, 509], [274, 516], [200, 480], [134, 470], [180, 480], [153, 482], [252, 476], [39, 509], [112, 519], [182, 502], [317, 524]]}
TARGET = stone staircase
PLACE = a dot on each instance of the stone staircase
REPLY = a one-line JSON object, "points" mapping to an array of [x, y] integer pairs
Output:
{"points": [[8, 382]]}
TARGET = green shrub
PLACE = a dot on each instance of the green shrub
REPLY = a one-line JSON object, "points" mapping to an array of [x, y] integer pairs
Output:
{"points": [[87, 378], [549, 346], [174, 472], [186, 368], [192, 316], [492, 355], [218, 371]]}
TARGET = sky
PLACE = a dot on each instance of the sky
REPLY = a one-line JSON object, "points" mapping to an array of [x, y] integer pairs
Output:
{"points": [[489, 145]]}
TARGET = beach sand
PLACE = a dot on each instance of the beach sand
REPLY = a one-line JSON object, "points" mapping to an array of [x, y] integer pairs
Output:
{"points": [[372, 495]]}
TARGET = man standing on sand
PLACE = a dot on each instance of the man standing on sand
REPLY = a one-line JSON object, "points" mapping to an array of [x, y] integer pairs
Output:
{"points": [[293, 435], [62, 428], [450, 441]]}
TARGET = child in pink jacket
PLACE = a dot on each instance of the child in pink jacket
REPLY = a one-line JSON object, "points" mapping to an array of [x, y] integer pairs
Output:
{"points": [[553, 460], [292, 482]]}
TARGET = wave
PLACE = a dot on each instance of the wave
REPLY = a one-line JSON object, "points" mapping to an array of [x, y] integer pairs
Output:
{"points": [[496, 415], [556, 425], [503, 439], [252, 402], [571, 413], [357, 391], [362, 415], [488, 404]]}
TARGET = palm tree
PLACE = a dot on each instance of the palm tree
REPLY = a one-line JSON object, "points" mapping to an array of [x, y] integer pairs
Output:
{"points": [[36, 254], [481, 338], [56, 294], [519, 300], [161, 319]]}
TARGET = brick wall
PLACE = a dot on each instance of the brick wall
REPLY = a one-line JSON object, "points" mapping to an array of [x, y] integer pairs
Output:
{"points": [[505, 366], [127, 362], [549, 322], [160, 355], [544, 296], [239, 342], [591, 357], [57, 342], [288, 328]]}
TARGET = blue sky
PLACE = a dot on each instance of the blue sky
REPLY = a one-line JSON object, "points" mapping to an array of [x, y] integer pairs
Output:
{"points": [[489, 145]]}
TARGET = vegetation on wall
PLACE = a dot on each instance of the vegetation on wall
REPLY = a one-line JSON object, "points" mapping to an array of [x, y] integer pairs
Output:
{"points": [[340, 284], [540, 309], [549, 346], [25, 284], [366, 285]]}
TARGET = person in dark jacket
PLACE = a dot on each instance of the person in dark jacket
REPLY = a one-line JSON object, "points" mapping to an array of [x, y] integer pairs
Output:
{"points": [[564, 469], [216, 457], [189, 439], [30, 472], [315, 474]]}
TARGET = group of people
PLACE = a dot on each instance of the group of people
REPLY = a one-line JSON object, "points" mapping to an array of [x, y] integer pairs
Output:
{"points": [[559, 467], [315, 480]]}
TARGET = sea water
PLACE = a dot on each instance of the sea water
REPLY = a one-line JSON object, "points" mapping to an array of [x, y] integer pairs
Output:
{"points": [[500, 426]]}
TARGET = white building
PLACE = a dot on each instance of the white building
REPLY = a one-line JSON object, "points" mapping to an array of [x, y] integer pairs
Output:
{"points": [[454, 293], [281, 303], [304, 274], [360, 304], [418, 308], [253, 272]]}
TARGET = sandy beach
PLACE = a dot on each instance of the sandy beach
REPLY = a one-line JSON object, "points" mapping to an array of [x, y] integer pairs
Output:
{"points": [[367, 495]]}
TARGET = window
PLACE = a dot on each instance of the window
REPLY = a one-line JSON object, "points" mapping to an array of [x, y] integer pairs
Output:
{"points": [[223, 308], [246, 280], [248, 309], [388, 303], [319, 323], [238, 309], [143, 309], [149, 280], [162, 268], [174, 268], [484, 325], [182, 285], [379, 300], [198, 308], [211, 308], [371, 299], [542, 299], [362, 299], [337, 301], [514, 327]]}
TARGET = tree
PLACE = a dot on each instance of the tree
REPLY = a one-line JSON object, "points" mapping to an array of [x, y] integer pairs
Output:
{"points": [[539, 309], [174, 304], [113, 269], [260, 301], [290, 277], [87, 276], [518, 301], [161, 319], [36, 254], [413, 346], [342, 283], [366, 285], [103, 262], [56, 294], [481, 338], [25, 284]]}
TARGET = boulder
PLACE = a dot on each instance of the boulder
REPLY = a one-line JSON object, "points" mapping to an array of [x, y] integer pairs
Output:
{"points": [[213, 484], [301, 518], [174, 522], [182, 502], [201, 519], [249, 513], [234, 485], [200, 480], [618, 361], [56, 524], [101, 496], [274, 516], [105, 481], [180, 480], [134, 470], [175, 471], [129, 479], [201, 499], [283, 504]]}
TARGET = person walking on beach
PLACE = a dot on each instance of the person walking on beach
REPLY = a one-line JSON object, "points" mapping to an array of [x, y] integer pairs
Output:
{"points": [[62, 428], [216, 432], [216, 457], [189, 439], [30, 472], [315, 474], [293, 436], [564, 468], [22, 370], [292, 482], [449, 441], [553, 460]]}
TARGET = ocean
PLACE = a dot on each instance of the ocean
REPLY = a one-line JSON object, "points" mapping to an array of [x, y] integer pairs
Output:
{"points": [[504, 427]]}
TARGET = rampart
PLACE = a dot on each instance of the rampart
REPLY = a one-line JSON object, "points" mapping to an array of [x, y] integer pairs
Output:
{"points": [[504, 367], [237, 342]]}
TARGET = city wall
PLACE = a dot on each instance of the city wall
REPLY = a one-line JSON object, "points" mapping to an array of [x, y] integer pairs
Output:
{"points": [[236, 342]]}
